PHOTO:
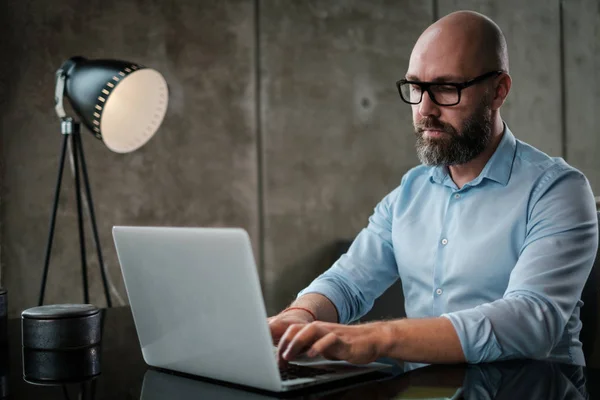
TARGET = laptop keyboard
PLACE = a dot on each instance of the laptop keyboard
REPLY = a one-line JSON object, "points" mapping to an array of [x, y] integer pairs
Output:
{"points": [[293, 371]]}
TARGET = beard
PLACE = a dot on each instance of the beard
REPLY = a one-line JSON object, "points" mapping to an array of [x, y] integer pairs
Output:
{"points": [[455, 147]]}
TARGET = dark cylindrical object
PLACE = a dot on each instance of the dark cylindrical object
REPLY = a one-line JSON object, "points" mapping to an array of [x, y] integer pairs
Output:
{"points": [[61, 343], [44, 366], [61, 327]]}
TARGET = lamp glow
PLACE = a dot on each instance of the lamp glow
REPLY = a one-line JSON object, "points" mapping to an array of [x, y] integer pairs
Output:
{"points": [[121, 103]]}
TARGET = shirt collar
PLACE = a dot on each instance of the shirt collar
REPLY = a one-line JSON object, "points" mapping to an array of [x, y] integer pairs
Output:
{"points": [[438, 174], [498, 167]]}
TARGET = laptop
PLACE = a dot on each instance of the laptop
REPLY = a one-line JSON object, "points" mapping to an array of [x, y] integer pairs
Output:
{"points": [[198, 308]]}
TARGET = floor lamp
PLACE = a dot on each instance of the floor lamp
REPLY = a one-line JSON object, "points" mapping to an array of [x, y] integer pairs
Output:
{"points": [[122, 104]]}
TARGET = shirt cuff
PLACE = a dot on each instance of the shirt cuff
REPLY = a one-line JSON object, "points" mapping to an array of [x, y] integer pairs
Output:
{"points": [[329, 290], [476, 335]]}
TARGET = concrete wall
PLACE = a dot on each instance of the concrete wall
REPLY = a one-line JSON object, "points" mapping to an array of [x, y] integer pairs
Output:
{"points": [[581, 22], [336, 136], [283, 119], [532, 29]]}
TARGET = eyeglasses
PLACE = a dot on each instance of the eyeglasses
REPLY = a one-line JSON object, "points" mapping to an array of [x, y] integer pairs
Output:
{"points": [[442, 94]]}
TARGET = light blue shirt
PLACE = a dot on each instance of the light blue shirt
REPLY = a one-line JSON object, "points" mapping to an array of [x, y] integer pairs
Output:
{"points": [[504, 258]]}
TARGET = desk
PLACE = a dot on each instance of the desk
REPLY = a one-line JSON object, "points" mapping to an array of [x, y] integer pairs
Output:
{"points": [[124, 375]]}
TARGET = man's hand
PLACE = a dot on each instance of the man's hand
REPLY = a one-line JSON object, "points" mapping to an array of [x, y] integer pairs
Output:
{"points": [[304, 310], [280, 323], [357, 344]]}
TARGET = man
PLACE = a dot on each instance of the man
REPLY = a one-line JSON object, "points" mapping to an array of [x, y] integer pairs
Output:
{"points": [[492, 239]]}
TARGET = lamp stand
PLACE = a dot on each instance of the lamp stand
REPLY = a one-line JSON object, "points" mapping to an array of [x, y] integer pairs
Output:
{"points": [[71, 131]]}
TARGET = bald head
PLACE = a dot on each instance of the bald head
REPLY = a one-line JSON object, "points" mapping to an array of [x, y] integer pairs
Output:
{"points": [[464, 42], [455, 124]]}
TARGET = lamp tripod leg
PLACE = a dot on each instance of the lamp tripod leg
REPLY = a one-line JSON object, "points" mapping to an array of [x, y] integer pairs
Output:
{"points": [[88, 195], [74, 138], [53, 219]]}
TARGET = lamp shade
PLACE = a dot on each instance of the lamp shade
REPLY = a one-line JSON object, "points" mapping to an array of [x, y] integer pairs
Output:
{"points": [[121, 103]]}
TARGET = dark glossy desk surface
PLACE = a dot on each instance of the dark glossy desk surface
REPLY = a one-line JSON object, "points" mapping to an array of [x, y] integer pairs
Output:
{"points": [[124, 375]]}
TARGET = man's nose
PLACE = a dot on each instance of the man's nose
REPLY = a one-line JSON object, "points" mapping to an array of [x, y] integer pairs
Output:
{"points": [[427, 107]]}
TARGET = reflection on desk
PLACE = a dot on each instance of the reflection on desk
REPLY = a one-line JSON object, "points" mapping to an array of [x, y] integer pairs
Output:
{"points": [[522, 379], [161, 385], [509, 380]]}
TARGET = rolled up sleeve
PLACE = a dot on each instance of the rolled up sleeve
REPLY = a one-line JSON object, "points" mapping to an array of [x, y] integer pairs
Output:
{"points": [[545, 284], [365, 271]]}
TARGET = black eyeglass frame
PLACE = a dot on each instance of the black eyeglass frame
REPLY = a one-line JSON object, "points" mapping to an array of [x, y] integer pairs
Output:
{"points": [[425, 87]]}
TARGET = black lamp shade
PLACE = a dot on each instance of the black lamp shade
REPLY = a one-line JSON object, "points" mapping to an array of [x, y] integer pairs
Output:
{"points": [[121, 103]]}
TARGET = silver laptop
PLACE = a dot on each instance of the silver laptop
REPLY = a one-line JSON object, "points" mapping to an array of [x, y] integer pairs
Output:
{"points": [[198, 308]]}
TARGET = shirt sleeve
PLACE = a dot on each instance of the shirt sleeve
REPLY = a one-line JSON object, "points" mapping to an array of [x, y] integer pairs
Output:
{"points": [[365, 271], [546, 283]]}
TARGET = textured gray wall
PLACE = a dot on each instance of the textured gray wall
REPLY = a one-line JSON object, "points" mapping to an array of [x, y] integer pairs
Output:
{"points": [[532, 29], [331, 138], [582, 86], [336, 136]]}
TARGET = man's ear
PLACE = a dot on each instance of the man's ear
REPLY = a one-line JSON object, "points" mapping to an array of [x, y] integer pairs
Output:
{"points": [[503, 85]]}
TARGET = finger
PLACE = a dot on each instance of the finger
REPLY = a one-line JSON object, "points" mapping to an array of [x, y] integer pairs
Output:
{"points": [[331, 347], [303, 340], [277, 329], [286, 338]]}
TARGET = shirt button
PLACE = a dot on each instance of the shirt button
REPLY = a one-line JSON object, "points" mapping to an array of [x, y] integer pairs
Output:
{"points": [[444, 241], [457, 196], [439, 292]]}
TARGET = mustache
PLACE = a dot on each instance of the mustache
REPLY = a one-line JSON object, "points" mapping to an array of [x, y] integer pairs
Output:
{"points": [[433, 124]]}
